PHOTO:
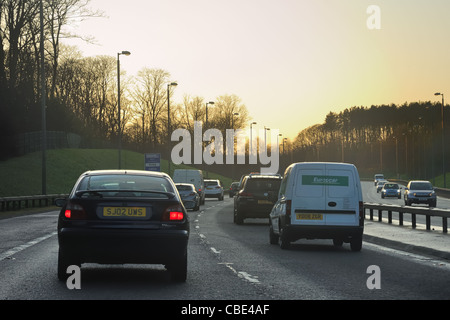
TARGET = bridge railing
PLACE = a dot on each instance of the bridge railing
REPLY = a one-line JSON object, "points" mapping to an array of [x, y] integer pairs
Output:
{"points": [[413, 211]]}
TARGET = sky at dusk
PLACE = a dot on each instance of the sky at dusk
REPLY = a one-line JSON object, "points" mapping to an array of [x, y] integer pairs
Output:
{"points": [[290, 61]]}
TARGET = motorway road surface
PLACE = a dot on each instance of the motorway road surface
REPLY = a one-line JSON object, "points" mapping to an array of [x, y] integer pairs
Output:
{"points": [[226, 262]]}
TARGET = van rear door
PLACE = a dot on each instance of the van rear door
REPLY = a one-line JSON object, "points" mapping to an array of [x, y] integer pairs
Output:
{"points": [[342, 195], [308, 199], [325, 194]]}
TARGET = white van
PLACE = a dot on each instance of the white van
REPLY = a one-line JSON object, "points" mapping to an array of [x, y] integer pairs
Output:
{"points": [[192, 176], [319, 200]]}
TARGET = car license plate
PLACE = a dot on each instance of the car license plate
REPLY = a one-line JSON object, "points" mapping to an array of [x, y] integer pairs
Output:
{"points": [[309, 216], [124, 212], [264, 202]]}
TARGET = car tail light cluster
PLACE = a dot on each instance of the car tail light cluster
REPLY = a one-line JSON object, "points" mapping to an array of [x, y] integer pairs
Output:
{"points": [[75, 212], [245, 194], [173, 213], [288, 209], [361, 213]]}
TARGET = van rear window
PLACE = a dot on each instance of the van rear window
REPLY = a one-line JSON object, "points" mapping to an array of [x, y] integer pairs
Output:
{"points": [[263, 185]]}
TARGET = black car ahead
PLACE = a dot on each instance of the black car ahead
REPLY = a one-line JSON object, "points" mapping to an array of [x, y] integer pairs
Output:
{"points": [[256, 197], [118, 217]]}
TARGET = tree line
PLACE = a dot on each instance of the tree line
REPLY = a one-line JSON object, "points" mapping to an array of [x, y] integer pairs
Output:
{"points": [[402, 140], [82, 92], [82, 98]]}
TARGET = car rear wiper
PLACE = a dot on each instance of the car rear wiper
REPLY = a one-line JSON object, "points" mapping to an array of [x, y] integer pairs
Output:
{"points": [[98, 192]]}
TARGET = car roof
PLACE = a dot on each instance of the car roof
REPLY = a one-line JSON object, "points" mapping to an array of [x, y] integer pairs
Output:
{"points": [[259, 176], [125, 172]]}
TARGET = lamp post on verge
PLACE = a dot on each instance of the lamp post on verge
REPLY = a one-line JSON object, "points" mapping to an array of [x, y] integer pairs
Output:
{"points": [[252, 156], [125, 53], [206, 121], [174, 84], [442, 131], [43, 111]]}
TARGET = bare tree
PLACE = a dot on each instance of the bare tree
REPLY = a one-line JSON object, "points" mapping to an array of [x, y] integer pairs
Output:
{"points": [[229, 113], [150, 96], [60, 13], [194, 109]]}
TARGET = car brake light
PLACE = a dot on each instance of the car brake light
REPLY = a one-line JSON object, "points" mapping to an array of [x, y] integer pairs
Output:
{"points": [[361, 213], [75, 212], [246, 194], [176, 215], [288, 208], [173, 213]]}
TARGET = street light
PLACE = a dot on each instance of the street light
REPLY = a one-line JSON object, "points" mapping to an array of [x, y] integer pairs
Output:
{"points": [[206, 122], [125, 53], [442, 129], [265, 138], [43, 103], [252, 156], [232, 119], [174, 84]]}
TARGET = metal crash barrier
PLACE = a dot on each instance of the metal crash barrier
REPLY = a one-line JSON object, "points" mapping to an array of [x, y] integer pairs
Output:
{"points": [[25, 202], [413, 211]]}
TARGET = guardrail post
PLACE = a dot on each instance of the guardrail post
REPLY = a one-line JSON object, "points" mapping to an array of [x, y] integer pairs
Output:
{"points": [[380, 215], [413, 219], [428, 222], [390, 216], [444, 224], [371, 213], [400, 218]]}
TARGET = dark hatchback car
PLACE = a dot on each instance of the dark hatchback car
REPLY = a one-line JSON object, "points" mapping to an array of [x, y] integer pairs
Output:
{"points": [[119, 217], [189, 196], [256, 197]]}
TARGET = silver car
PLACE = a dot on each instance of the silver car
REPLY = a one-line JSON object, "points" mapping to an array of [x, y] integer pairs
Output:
{"points": [[189, 196], [391, 190], [420, 191]]}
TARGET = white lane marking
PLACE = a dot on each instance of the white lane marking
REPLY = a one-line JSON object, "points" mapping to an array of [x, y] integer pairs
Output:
{"points": [[215, 250], [241, 274], [10, 252]]}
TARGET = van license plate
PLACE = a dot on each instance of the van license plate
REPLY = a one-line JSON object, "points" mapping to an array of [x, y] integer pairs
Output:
{"points": [[309, 216]]}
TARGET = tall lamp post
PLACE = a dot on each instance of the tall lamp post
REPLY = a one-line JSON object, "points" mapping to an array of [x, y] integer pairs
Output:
{"points": [[43, 112], [252, 156], [125, 53], [206, 121], [442, 131], [168, 119]]}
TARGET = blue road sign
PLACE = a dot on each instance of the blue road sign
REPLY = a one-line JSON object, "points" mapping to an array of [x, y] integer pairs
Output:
{"points": [[153, 161]]}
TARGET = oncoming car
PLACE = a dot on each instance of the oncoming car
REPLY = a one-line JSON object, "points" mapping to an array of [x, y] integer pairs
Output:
{"points": [[419, 191], [391, 190], [119, 217]]}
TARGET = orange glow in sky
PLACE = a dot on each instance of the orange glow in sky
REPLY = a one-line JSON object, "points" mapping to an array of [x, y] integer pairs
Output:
{"points": [[290, 61]]}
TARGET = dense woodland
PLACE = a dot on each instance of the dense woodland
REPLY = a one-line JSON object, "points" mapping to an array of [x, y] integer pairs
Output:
{"points": [[82, 98]]}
